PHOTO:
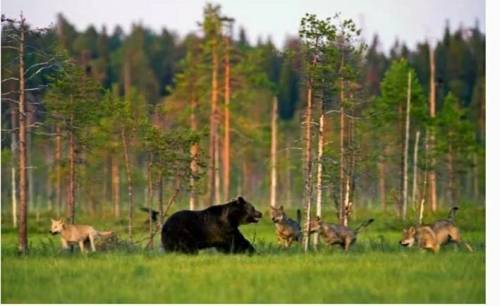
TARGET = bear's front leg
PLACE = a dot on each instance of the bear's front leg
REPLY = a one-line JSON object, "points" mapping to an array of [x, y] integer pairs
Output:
{"points": [[240, 244]]}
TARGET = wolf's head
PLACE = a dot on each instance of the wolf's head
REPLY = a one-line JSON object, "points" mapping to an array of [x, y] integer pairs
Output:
{"points": [[409, 237], [57, 226], [277, 214], [315, 225]]}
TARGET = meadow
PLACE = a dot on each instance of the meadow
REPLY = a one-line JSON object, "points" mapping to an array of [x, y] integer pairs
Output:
{"points": [[375, 270]]}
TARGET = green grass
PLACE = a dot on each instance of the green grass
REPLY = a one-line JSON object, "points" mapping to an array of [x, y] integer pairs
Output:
{"points": [[376, 270]]}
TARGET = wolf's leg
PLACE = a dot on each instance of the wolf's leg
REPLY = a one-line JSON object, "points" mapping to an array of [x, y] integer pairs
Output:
{"points": [[82, 247], [64, 244], [92, 244]]}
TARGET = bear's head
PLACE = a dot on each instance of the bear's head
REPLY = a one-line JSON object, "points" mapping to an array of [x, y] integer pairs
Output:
{"points": [[242, 212]]}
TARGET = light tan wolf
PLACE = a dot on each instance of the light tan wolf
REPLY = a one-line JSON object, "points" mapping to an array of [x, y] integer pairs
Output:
{"points": [[287, 229], [76, 234], [336, 233], [433, 236]]}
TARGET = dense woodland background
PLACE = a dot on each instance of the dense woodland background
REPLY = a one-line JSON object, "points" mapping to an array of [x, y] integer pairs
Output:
{"points": [[134, 114]]}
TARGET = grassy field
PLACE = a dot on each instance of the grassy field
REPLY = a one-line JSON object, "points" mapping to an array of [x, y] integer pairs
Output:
{"points": [[376, 270]]}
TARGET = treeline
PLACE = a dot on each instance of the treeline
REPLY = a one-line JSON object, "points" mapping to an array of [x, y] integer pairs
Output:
{"points": [[147, 118]]}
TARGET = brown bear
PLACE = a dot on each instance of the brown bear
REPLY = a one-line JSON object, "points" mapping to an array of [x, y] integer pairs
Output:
{"points": [[188, 231]]}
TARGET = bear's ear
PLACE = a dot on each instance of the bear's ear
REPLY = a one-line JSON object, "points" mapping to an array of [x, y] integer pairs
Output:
{"points": [[240, 200]]}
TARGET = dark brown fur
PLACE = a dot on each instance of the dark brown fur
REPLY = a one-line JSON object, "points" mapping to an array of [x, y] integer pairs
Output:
{"points": [[188, 231]]}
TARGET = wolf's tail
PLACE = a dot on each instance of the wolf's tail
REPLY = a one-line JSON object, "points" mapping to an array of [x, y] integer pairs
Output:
{"points": [[452, 213], [105, 234], [299, 217], [363, 225], [152, 212]]}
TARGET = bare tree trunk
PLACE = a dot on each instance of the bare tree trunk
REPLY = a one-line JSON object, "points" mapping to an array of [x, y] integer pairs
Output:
{"points": [[451, 176], [32, 201], [13, 181], [217, 170], [274, 140], [288, 177], [58, 161], [227, 135], [160, 199], [346, 205], [72, 176], [319, 173], [415, 169], [23, 182], [341, 151], [308, 165], [430, 146], [212, 167], [115, 185], [381, 181], [406, 148], [150, 200], [129, 182], [195, 147]]}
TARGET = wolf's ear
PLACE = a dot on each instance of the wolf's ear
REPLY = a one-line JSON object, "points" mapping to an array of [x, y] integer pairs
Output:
{"points": [[412, 230], [318, 218], [52, 220], [240, 200], [281, 207]]}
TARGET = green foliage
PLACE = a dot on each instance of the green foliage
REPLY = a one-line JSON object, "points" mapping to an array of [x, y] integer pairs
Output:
{"points": [[73, 101]]}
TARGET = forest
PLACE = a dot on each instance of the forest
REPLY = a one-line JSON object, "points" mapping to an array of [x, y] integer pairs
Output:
{"points": [[99, 124]]}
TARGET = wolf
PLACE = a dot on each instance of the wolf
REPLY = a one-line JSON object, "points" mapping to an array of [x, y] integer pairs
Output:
{"points": [[287, 229], [433, 236], [76, 234], [337, 234]]}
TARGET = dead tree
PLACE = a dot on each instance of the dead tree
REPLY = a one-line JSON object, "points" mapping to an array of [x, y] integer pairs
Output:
{"points": [[227, 114], [430, 144], [213, 151], [274, 141], [406, 146], [13, 148], [415, 169], [319, 173]]}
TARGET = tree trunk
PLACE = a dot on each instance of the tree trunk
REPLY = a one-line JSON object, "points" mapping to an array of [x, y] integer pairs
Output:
{"points": [[212, 167], [227, 135], [115, 185], [406, 148], [381, 181], [129, 182], [23, 183], [217, 170], [430, 145], [58, 162], [451, 176], [31, 199], [72, 176], [341, 151], [319, 174], [274, 140], [308, 165], [150, 201], [415, 170], [160, 199], [13, 149], [193, 195]]}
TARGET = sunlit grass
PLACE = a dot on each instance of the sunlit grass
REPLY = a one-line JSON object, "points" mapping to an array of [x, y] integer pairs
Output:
{"points": [[375, 270]]}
